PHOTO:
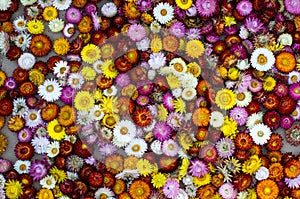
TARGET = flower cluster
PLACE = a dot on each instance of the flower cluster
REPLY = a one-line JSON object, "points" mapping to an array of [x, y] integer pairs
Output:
{"points": [[150, 99]]}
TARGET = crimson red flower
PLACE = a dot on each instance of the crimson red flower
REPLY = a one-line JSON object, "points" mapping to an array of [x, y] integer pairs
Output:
{"points": [[24, 151]]}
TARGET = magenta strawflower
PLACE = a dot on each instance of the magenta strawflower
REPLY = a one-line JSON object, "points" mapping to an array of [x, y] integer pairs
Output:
{"points": [[10, 83], [171, 188], [197, 168], [162, 131], [142, 100], [168, 101], [73, 15], [5, 165], [253, 24], [38, 169], [286, 121], [193, 33], [255, 85], [67, 95], [177, 29], [292, 6], [244, 7], [294, 91], [240, 115], [206, 8], [25, 135]]}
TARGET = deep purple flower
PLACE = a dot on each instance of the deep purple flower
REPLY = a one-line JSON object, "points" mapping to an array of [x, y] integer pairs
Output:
{"points": [[168, 101], [239, 50], [90, 8], [212, 37], [231, 30], [144, 5], [38, 169]]}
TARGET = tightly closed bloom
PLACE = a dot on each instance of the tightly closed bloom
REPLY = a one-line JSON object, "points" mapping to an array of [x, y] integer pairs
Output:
{"points": [[262, 59], [260, 133], [109, 9], [262, 173], [40, 144], [171, 188], [216, 119], [198, 168], [157, 60], [4, 4], [144, 44], [62, 5], [56, 25], [26, 61]]}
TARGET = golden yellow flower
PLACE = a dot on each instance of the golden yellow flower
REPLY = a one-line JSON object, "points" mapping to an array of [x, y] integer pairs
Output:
{"points": [[269, 84], [204, 180], [179, 105], [55, 130], [109, 69], [35, 26], [88, 73], [158, 180], [13, 189], [2, 77], [109, 104], [194, 48], [50, 13], [156, 44], [229, 127], [45, 194], [229, 21], [233, 74], [225, 99], [36, 76], [194, 69], [90, 53], [84, 101], [184, 4], [162, 113], [61, 46], [251, 165]]}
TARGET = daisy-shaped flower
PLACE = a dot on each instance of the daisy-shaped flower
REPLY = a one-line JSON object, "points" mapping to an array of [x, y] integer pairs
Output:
{"points": [[33, 118], [75, 80], [136, 147], [243, 98], [53, 149], [225, 147], [104, 192], [5, 4], [40, 144], [50, 90], [20, 107], [20, 24], [22, 41], [254, 119], [22, 166], [55, 130], [48, 182], [61, 69], [163, 12], [262, 59], [123, 133], [260, 133], [96, 113], [61, 5]]}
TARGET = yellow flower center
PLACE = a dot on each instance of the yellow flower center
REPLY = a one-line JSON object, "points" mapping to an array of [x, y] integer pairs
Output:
{"points": [[91, 53], [296, 90], [178, 67], [57, 128], [49, 182], [139, 191], [124, 130], [267, 191], [54, 150], [62, 70], [295, 113], [22, 167], [103, 196], [262, 59], [240, 96], [32, 116], [20, 23], [164, 12], [171, 146], [97, 113], [294, 78], [110, 121]]}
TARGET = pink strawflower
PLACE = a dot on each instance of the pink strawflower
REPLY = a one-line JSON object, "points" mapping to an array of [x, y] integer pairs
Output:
{"points": [[198, 168]]}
